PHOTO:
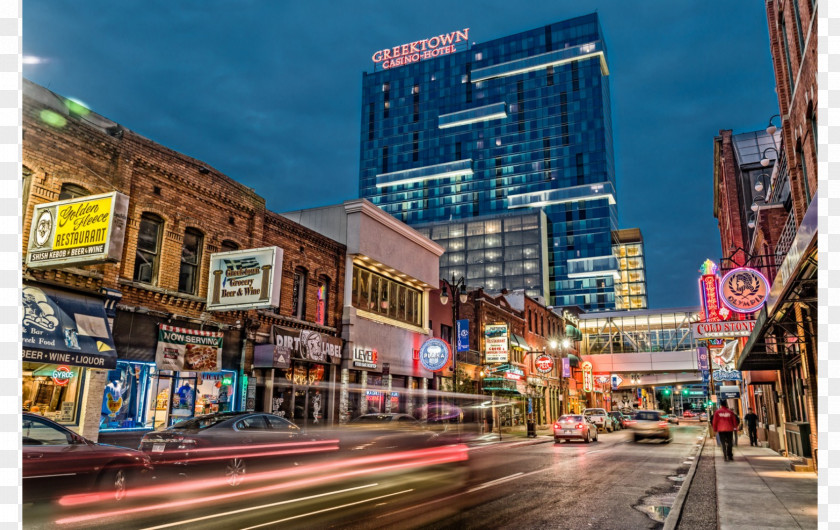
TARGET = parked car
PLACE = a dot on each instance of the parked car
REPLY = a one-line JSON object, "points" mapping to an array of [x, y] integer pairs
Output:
{"points": [[650, 424], [600, 418], [574, 426], [229, 444], [703, 416], [618, 419], [671, 418], [689, 414], [57, 462]]}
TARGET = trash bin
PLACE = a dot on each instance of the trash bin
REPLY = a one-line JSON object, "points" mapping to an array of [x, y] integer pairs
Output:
{"points": [[532, 429]]}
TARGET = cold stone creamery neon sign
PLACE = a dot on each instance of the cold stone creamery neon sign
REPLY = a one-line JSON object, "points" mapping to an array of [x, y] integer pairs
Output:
{"points": [[420, 50]]}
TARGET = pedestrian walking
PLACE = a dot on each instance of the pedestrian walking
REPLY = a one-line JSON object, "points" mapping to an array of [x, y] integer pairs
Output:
{"points": [[725, 423], [752, 426]]}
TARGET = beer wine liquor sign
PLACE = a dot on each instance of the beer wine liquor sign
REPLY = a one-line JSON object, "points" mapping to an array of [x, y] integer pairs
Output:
{"points": [[420, 50]]}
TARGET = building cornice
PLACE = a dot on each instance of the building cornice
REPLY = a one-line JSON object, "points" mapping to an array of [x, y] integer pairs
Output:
{"points": [[366, 207]]}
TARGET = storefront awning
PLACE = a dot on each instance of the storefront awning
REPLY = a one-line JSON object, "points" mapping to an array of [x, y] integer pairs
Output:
{"points": [[519, 342], [64, 327], [795, 283], [574, 361]]}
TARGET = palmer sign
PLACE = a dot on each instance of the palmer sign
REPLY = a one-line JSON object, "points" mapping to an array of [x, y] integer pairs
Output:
{"points": [[420, 50], [717, 330]]}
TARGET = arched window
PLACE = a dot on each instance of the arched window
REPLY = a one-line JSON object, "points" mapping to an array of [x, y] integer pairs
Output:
{"points": [[299, 294], [147, 255], [71, 191], [322, 300], [229, 246], [190, 261]]}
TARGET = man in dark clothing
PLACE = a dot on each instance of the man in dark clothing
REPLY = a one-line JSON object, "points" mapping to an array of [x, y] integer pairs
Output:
{"points": [[725, 423], [752, 426]]}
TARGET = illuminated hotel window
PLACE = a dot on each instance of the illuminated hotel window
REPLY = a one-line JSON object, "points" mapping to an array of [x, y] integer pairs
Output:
{"points": [[377, 294]]}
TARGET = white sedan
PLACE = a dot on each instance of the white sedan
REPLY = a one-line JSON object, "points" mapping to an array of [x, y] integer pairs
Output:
{"points": [[574, 426]]}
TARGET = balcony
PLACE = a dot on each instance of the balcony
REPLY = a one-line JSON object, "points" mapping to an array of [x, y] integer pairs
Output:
{"points": [[538, 199], [593, 267], [542, 61], [785, 239], [496, 111], [421, 174]]}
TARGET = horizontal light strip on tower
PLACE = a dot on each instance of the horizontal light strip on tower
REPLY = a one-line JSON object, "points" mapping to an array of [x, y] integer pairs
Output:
{"points": [[537, 199], [544, 60], [420, 174], [465, 117]]}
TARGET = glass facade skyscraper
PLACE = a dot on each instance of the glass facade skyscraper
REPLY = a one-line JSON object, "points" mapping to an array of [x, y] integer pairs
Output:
{"points": [[520, 122]]}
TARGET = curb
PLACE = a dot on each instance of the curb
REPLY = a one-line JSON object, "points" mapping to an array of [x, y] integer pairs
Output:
{"points": [[676, 509]]}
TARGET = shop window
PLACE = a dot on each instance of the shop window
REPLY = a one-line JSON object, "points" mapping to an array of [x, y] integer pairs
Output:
{"points": [[190, 261], [299, 294], [377, 294], [71, 191], [322, 301], [147, 255], [52, 391]]}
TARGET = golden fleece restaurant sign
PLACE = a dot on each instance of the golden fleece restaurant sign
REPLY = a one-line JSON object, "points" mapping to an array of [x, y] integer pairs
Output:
{"points": [[78, 231]]}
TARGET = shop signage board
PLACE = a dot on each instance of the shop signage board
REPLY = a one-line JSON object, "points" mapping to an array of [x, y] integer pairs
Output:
{"points": [[245, 279], [421, 50], [703, 358], [307, 344], [728, 392], [586, 368], [365, 357], [78, 231], [62, 375], [496, 349], [744, 290], [65, 328], [544, 363], [463, 331], [710, 295], [188, 350], [567, 367], [434, 354], [719, 330], [615, 381]]}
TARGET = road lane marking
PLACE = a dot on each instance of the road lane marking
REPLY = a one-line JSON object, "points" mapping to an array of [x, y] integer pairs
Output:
{"points": [[251, 508], [328, 509], [494, 482]]}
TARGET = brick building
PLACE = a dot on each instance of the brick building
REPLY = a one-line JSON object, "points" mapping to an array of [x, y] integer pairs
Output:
{"points": [[176, 212], [779, 238]]}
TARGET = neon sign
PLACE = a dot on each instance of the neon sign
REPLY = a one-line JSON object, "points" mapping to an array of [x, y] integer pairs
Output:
{"points": [[709, 295], [586, 367], [420, 50], [744, 290], [62, 375]]}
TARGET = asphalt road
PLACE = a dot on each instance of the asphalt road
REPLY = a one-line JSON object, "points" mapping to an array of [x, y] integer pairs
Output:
{"points": [[612, 483]]}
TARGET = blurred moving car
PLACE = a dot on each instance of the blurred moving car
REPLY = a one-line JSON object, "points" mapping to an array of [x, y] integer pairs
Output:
{"points": [[618, 419], [703, 416], [650, 424], [600, 418], [689, 414], [57, 461], [230, 444], [573, 426], [671, 418]]}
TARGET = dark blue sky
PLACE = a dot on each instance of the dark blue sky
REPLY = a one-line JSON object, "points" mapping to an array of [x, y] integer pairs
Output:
{"points": [[268, 92]]}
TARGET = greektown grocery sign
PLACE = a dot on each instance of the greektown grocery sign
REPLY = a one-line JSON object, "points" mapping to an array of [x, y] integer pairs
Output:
{"points": [[420, 50]]}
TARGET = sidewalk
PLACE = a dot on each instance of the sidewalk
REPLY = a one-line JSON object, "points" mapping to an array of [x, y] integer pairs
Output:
{"points": [[757, 490]]}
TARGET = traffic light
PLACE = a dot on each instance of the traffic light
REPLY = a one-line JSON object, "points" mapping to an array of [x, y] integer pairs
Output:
{"points": [[667, 391], [685, 391]]}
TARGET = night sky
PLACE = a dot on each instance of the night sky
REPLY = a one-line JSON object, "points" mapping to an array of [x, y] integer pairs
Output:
{"points": [[269, 92]]}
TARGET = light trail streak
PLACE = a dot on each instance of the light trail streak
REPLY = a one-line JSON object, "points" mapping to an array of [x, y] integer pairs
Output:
{"points": [[494, 482], [252, 508], [422, 458], [328, 509]]}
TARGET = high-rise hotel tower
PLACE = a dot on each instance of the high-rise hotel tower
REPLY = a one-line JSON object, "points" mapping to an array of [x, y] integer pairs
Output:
{"points": [[457, 134]]}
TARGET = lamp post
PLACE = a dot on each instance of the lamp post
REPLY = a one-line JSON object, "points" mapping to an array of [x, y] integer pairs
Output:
{"points": [[766, 161], [455, 286]]}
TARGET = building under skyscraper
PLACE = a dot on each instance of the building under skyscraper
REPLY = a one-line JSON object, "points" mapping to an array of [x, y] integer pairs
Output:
{"points": [[452, 130]]}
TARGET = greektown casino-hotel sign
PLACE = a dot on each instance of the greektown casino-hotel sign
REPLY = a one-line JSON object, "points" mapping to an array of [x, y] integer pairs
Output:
{"points": [[420, 50]]}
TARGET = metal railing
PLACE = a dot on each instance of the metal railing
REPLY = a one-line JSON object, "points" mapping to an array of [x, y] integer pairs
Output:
{"points": [[785, 239]]}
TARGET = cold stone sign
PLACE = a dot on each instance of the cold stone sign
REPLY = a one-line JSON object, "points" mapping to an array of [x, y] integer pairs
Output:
{"points": [[420, 50]]}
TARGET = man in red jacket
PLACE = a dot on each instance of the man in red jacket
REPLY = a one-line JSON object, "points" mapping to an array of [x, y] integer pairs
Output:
{"points": [[725, 423]]}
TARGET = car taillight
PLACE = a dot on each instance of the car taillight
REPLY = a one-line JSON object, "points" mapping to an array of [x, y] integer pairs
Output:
{"points": [[557, 426], [579, 426], [663, 423], [187, 443], [630, 422]]}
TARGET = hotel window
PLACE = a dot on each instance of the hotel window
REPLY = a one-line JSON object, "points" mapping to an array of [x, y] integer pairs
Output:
{"points": [[299, 294], [190, 261], [147, 256], [322, 298], [71, 191]]}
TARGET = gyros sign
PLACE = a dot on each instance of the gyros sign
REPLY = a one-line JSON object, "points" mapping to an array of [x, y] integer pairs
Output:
{"points": [[62, 375], [717, 330]]}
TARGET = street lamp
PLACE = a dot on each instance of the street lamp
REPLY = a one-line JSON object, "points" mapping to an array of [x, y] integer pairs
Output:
{"points": [[759, 182], [455, 286], [770, 127], [766, 161]]}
